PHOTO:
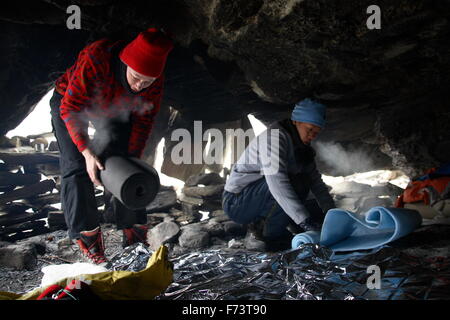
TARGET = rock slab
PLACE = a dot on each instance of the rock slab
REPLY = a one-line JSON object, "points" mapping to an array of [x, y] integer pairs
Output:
{"points": [[162, 233], [20, 257]]}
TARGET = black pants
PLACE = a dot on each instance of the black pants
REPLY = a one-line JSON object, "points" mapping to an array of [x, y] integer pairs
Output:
{"points": [[255, 202], [77, 191]]}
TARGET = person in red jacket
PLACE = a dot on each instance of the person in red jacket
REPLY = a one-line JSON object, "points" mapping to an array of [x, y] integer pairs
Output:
{"points": [[116, 86]]}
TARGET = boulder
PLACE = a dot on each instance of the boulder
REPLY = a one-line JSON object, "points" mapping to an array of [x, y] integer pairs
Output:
{"points": [[164, 200], [218, 243], [189, 208], [193, 238], [219, 216], [218, 220], [176, 250], [215, 228], [198, 226], [235, 244], [169, 219], [190, 200], [212, 191], [162, 233], [153, 219], [18, 256], [36, 242], [190, 213], [212, 204], [184, 217]]}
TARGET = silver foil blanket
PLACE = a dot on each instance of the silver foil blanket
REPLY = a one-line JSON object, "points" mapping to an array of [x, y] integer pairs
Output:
{"points": [[415, 267], [132, 258]]}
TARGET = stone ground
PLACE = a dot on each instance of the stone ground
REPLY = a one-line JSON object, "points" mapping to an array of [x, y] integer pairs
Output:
{"points": [[183, 231], [56, 248]]}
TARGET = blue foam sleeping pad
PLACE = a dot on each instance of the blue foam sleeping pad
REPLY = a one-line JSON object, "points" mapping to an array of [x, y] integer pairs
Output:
{"points": [[343, 230]]}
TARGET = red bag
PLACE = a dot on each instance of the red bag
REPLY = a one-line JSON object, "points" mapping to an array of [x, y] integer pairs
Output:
{"points": [[76, 290]]}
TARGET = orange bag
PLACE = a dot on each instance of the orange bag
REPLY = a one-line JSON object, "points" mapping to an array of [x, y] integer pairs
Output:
{"points": [[428, 191]]}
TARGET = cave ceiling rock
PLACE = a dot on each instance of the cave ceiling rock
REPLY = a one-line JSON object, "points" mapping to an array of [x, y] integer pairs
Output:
{"points": [[260, 57]]}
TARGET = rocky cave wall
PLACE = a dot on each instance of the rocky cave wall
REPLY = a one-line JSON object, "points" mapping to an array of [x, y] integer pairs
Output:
{"points": [[386, 89]]}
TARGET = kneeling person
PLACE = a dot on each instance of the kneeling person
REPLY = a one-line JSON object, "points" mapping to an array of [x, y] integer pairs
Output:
{"points": [[269, 200]]}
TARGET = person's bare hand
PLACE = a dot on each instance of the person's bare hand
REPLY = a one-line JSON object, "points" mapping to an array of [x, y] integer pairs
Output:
{"points": [[93, 164]]}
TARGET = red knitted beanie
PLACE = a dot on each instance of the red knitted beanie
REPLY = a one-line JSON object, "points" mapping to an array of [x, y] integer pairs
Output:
{"points": [[147, 54]]}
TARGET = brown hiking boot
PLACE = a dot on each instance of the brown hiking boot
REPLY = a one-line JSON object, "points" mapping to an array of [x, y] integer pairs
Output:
{"points": [[137, 233], [91, 246]]}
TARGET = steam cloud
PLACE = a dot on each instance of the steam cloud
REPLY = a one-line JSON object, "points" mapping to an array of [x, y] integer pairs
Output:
{"points": [[109, 125], [343, 161]]}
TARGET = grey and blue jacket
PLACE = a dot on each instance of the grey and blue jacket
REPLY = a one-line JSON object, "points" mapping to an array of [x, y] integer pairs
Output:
{"points": [[277, 155]]}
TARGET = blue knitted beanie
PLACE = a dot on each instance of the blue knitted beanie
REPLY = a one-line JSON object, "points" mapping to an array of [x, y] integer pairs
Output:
{"points": [[309, 111]]}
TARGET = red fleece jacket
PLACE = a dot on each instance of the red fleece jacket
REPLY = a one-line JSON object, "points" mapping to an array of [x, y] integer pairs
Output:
{"points": [[90, 89]]}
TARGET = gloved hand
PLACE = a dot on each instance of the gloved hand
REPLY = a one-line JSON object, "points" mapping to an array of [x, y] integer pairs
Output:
{"points": [[309, 225]]}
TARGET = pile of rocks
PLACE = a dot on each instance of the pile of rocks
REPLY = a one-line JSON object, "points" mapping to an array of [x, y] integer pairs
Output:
{"points": [[203, 193], [218, 231], [196, 220], [30, 186]]}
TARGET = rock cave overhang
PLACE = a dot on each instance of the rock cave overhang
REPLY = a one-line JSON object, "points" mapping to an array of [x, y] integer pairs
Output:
{"points": [[384, 88]]}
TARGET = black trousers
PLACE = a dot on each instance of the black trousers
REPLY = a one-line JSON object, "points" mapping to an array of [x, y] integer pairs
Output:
{"points": [[77, 190], [256, 202]]}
